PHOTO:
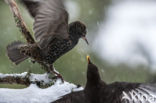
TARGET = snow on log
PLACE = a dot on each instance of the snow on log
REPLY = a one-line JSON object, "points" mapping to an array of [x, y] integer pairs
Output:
{"points": [[34, 94], [26, 78]]}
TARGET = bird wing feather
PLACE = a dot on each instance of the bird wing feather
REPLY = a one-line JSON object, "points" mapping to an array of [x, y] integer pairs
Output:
{"points": [[32, 6], [51, 19], [145, 93]]}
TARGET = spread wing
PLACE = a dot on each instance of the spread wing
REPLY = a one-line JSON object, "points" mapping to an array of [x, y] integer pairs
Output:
{"points": [[51, 20], [145, 93], [32, 6]]}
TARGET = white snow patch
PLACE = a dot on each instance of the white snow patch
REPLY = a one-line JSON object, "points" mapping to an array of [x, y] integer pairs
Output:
{"points": [[33, 77], [34, 94], [40, 77], [13, 75], [127, 23]]}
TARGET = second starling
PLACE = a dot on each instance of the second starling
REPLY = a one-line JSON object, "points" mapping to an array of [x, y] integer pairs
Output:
{"points": [[97, 91]]}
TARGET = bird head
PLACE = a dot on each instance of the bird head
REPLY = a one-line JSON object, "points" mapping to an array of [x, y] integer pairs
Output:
{"points": [[78, 30], [93, 75]]}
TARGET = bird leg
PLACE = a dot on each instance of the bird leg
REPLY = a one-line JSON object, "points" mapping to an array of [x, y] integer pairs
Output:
{"points": [[56, 73], [51, 69]]}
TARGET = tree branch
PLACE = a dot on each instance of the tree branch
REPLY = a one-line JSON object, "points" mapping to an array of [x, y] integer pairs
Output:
{"points": [[19, 21]]}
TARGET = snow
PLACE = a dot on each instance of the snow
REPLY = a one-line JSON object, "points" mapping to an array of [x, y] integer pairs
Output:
{"points": [[33, 77], [40, 77], [34, 94], [13, 75], [128, 23]]}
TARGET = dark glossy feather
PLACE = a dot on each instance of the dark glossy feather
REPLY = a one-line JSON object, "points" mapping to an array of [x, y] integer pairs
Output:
{"points": [[75, 97]]}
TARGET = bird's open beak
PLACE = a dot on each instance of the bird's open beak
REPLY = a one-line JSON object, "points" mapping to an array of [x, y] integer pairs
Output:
{"points": [[88, 59], [85, 39]]}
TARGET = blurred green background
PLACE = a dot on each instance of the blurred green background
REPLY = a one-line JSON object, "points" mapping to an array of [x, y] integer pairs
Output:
{"points": [[73, 64]]}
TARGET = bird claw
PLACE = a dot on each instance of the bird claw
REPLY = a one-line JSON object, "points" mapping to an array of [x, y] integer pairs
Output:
{"points": [[56, 73]]}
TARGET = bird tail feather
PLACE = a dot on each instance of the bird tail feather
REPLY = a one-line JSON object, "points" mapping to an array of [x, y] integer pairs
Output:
{"points": [[14, 54]]}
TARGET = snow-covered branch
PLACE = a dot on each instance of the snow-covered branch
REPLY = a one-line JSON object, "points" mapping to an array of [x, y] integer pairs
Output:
{"points": [[34, 94], [42, 80]]}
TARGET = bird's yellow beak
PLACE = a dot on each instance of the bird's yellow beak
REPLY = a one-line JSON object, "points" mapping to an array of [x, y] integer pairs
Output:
{"points": [[85, 39], [88, 59]]}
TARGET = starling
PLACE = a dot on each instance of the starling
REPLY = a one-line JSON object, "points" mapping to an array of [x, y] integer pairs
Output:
{"points": [[54, 36], [97, 91]]}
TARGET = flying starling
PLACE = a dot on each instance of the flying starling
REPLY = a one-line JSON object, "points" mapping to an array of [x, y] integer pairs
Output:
{"points": [[54, 36]]}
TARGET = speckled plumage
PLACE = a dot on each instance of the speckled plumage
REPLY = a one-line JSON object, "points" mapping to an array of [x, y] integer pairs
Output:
{"points": [[57, 49], [54, 37]]}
